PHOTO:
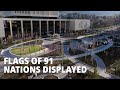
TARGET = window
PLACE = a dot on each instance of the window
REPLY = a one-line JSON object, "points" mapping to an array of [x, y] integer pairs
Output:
{"points": [[33, 12], [28, 12], [25, 12], [37, 12], [42, 12], [22, 12]]}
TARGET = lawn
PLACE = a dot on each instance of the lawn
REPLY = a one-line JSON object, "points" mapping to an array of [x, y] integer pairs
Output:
{"points": [[26, 50]]}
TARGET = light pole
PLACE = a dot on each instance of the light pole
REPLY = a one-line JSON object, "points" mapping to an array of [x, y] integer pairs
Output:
{"points": [[93, 46]]}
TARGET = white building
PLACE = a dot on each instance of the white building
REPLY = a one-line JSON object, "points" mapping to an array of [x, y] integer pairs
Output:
{"points": [[79, 24], [29, 13], [23, 24]]}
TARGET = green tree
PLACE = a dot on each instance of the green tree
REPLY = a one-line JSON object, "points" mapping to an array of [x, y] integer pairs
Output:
{"points": [[95, 74], [10, 40], [117, 67]]}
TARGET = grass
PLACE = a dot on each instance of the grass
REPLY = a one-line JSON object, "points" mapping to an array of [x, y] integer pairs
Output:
{"points": [[26, 50]]}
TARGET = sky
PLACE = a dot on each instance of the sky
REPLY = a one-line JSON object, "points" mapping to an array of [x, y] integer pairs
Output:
{"points": [[98, 13]]}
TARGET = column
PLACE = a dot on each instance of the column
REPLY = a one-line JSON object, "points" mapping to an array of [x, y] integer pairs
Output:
{"points": [[47, 28], [31, 28], [54, 26], [11, 28], [22, 27], [40, 28], [1, 40], [65, 26], [60, 28]]}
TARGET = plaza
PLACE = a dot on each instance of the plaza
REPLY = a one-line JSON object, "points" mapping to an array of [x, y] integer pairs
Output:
{"points": [[57, 41], [100, 64]]}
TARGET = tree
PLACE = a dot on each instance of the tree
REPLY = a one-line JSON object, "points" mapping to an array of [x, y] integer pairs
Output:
{"points": [[10, 40], [95, 74], [117, 67]]}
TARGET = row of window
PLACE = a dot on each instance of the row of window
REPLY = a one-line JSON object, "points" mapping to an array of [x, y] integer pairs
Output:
{"points": [[23, 12], [37, 12], [32, 12]]}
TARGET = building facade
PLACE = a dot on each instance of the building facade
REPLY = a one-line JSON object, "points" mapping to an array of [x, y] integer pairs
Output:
{"points": [[42, 14], [23, 24]]}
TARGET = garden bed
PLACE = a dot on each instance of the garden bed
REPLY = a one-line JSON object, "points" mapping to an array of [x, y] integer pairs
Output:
{"points": [[88, 60], [87, 75], [75, 52], [111, 57], [26, 50], [53, 53], [65, 63], [50, 77]]}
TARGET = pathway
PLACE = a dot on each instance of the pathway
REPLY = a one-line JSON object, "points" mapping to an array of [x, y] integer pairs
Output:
{"points": [[100, 64]]}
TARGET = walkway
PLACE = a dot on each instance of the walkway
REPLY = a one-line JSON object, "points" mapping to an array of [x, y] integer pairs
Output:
{"points": [[100, 64]]}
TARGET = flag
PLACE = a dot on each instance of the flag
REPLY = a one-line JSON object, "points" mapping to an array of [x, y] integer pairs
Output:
{"points": [[49, 49]]}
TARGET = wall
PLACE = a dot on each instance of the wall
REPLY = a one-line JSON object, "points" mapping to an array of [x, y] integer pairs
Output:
{"points": [[71, 25], [79, 24], [2, 32], [30, 13], [82, 24]]}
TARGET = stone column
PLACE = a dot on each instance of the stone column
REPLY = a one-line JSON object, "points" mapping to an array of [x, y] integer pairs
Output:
{"points": [[11, 28], [65, 26], [54, 26], [47, 28], [40, 27], [60, 27], [31, 28], [22, 28]]}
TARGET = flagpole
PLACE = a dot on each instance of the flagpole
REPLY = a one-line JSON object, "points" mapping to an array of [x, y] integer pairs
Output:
{"points": [[62, 53]]}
